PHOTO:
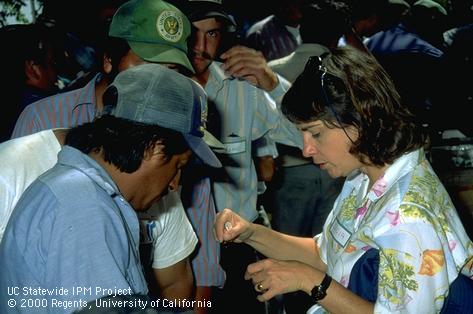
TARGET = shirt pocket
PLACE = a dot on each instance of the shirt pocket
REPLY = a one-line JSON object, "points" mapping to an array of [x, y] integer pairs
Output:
{"points": [[233, 145]]}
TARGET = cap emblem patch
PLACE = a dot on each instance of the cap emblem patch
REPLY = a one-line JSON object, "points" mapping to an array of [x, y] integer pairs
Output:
{"points": [[170, 26]]}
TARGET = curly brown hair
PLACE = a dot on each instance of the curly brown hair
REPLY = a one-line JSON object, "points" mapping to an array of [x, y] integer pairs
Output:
{"points": [[350, 88]]}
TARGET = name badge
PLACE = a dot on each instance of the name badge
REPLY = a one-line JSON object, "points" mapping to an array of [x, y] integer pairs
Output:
{"points": [[340, 233]]}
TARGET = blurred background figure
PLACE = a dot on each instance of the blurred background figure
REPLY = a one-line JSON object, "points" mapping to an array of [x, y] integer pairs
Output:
{"points": [[429, 20], [301, 195], [33, 58], [452, 149], [84, 41], [414, 63], [368, 17], [277, 35]]}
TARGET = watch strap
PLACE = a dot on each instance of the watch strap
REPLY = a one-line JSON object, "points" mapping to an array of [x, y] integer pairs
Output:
{"points": [[319, 292]]}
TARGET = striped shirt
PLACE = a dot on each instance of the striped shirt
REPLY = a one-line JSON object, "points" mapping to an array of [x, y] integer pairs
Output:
{"points": [[240, 113], [63, 110], [77, 107], [206, 265], [272, 38]]}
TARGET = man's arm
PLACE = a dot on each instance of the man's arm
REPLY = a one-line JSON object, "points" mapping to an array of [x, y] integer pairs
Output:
{"points": [[200, 209], [175, 281], [27, 123], [249, 64], [265, 152], [167, 226]]}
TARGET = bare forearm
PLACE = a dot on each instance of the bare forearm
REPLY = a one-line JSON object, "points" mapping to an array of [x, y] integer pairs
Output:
{"points": [[338, 299], [341, 300], [178, 291], [176, 281], [280, 246], [203, 294]]}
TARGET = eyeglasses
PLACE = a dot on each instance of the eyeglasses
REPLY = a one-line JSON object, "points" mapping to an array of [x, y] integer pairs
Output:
{"points": [[315, 67]]}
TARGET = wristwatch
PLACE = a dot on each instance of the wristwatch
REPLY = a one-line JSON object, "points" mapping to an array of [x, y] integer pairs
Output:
{"points": [[319, 292]]}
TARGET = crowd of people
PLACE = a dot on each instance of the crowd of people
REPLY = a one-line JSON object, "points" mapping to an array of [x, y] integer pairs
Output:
{"points": [[181, 156]]}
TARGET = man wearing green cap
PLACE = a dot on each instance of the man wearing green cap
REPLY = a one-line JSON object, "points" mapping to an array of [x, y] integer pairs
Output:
{"points": [[158, 38], [142, 31]]}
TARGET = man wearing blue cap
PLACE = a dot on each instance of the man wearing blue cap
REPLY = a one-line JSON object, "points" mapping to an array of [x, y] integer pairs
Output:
{"points": [[141, 31], [76, 225]]}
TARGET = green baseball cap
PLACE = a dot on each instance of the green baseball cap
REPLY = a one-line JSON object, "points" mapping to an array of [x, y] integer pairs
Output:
{"points": [[156, 31], [430, 4]]}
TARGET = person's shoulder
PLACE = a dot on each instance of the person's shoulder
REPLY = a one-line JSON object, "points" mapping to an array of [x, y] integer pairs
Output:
{"points": [[283, 65], [26, 142], [36, 202], [70, 185], [29, 156], [281, 62], [55, 101], [294, 57], [258, 26], [302, 53]]}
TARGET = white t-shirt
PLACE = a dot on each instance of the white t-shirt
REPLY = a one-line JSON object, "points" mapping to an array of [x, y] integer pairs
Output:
{"points": [[24, 159], [166, 225]]}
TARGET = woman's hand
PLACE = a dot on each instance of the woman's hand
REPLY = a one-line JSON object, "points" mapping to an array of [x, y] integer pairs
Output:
{"points": [[272, 277], [231, 227]]}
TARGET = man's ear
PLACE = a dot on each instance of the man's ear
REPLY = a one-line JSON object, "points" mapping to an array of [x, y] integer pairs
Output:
{"points": [[156, 151], [32, 72], [107, 64]]}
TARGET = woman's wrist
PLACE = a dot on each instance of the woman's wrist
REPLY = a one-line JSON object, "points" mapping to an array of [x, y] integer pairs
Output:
{"points": [[315, 277], [246, 236]]}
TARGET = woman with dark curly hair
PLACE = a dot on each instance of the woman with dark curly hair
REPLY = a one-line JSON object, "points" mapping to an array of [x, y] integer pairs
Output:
{"points": [[393, 241]]}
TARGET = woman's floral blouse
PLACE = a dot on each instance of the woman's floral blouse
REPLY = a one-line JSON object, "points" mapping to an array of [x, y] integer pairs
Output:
{"points": [[408, 216]]}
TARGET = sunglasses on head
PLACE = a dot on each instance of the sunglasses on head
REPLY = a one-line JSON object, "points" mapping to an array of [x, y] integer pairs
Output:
{"points": [[315, 69]]}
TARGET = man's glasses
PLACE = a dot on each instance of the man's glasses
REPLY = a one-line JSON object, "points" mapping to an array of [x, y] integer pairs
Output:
{"points": [[315, 69]]}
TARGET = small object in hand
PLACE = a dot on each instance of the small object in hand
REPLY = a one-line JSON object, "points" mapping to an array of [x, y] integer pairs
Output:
{"points": [[259, 287], [227, 226]]}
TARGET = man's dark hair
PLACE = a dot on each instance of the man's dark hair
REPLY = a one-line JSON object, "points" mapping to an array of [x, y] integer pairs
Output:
{"points": [[116, 49], [122, 142], [362, 9], [324, 22]]}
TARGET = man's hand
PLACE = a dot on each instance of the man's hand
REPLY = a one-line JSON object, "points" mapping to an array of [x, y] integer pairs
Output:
{"points": [[249, 64], [265, 168]]}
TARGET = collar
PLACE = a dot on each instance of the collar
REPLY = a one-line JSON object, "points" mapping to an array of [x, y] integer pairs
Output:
{"points": [[217, 72], [88, 94], [217, 78], [401, 167], [74, 158]]}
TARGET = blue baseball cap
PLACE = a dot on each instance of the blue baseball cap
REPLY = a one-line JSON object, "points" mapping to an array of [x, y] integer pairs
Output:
{"points": [[153, 94]]}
